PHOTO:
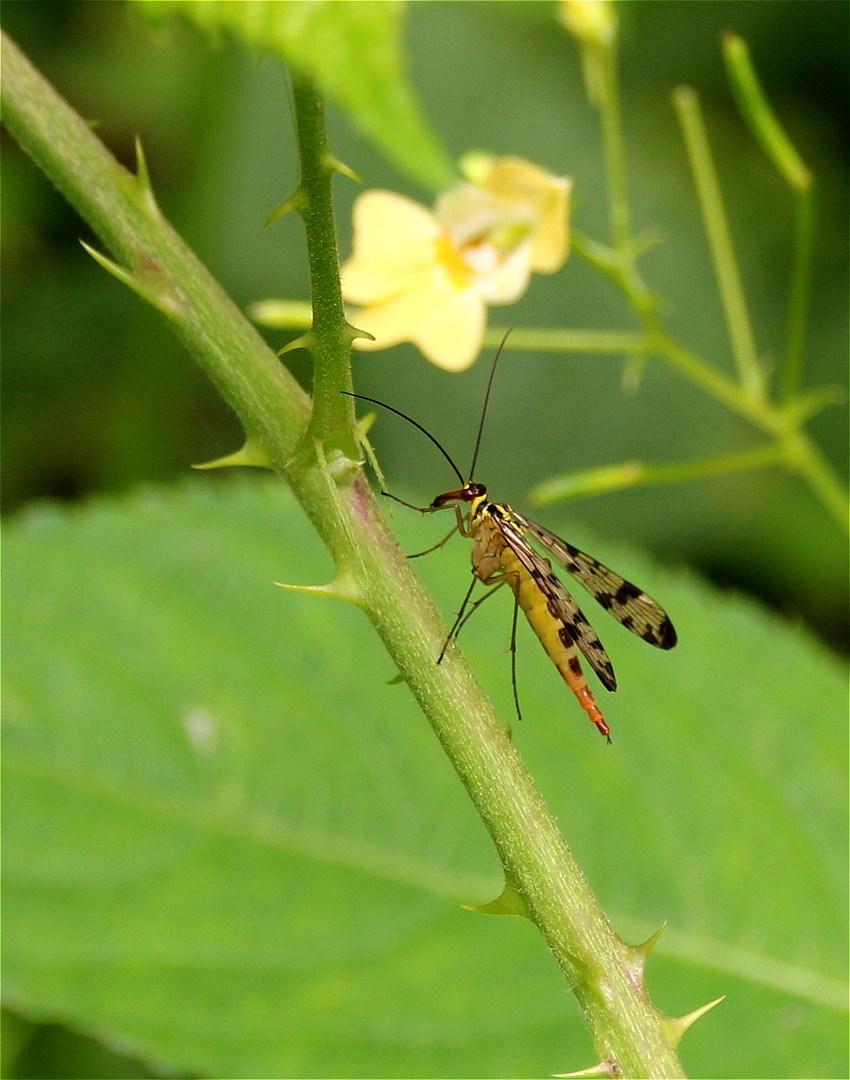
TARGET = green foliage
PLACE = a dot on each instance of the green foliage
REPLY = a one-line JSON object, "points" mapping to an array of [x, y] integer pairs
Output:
{"points": [[353, 51], [232, 847], [223, 856], [504, 76]]}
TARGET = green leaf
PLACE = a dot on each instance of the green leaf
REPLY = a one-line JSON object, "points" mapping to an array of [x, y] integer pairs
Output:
{"points": [[355, 52], [232, 847]]}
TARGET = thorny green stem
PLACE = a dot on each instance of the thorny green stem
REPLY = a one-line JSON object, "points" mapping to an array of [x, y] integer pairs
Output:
{"points": [[330, 338], [606, 974]]}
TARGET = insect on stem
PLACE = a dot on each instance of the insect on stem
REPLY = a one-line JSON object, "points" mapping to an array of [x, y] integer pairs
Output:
{"points": [[503, 554]]}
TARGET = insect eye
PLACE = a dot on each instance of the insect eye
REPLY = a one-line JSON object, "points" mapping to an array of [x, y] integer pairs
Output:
{"points": [[475, 491]]}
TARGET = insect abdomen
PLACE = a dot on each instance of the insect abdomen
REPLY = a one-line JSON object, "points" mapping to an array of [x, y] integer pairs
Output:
{"points": [[553, 633]]}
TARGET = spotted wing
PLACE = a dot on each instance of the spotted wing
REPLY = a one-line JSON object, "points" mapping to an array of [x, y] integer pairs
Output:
{"points": [[559, 601], [626, 602]]}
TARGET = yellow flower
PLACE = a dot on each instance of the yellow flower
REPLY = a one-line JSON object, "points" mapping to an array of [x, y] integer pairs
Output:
{"points": [[593, 22], [411, 283], [427, 276]]}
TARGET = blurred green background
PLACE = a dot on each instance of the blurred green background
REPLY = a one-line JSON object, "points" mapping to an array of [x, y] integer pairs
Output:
{"points": [[99, 396]]}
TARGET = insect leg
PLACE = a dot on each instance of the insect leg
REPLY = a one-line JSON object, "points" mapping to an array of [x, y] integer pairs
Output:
{"points": [[463, 615], [439, 544], [410, 506], [497, 580], [513, 657], [430, 510], [477, 605], [457, 621]]}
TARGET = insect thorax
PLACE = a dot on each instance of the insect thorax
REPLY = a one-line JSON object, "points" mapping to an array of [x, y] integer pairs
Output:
{"points": [[479, 511]]}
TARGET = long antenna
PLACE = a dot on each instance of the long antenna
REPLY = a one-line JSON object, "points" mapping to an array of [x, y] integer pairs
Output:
{"points": [[410, 420], [484, 407]]}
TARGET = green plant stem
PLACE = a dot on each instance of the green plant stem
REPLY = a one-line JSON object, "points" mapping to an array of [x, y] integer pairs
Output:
{"points": [[599, 58], [615, 342], [747, 396], [765, 126], [330, 338], [605, 973], [630, 474], [760, 117], [798, 451], [798, 292], [687, 108], [619, 211], [781, 423]]}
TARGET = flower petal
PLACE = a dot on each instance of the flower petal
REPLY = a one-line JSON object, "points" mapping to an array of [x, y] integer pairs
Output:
{"points": [[446, 324], [516, 182], [394, 246], [451, 337], [509, 278]]}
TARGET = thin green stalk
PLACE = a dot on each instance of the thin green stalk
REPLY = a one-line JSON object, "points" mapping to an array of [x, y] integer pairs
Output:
{"points": [[619, 211], [798, 293], [717, 229], [615, 342], [631, 474], [781, 423], [716, 382], [546, 883], [765, 126], [798, 451], [762, 120], [596, 33], [806, 459]]}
